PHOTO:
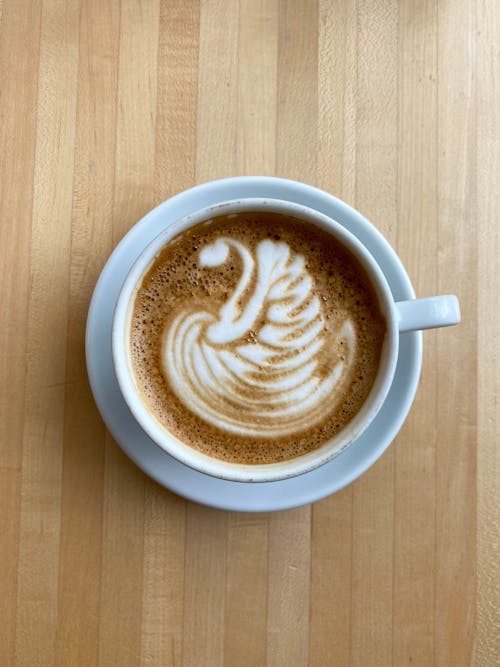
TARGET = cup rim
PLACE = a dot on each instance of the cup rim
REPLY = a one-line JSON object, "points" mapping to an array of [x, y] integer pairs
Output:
{"points": [[252, 472]]}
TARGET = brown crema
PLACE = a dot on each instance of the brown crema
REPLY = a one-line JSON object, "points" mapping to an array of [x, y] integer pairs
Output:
{"points": [[176, 281]]}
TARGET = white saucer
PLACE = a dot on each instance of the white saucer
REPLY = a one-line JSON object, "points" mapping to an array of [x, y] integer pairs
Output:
{"points": [[238, 496]]}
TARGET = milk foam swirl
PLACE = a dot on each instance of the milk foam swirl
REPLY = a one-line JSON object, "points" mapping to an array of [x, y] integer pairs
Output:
{"points": [[270, 386]]}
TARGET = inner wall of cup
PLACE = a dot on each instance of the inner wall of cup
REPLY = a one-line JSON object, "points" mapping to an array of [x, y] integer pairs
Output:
{"points": [[194, 458]]}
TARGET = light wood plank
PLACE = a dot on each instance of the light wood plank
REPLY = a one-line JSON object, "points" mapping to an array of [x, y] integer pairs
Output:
{"points": [[18, 85], [245, 622], [204, 582], [47, 311], [84, 433], [257, 87], [289, 588], [377, 114], [176, 110], [372, 575], [487, 641], [217, 90], [457, 353], [163, 577], [331, 581], [415, 450], [122, 560], [296, 127], [337, 82], [134, 189]]}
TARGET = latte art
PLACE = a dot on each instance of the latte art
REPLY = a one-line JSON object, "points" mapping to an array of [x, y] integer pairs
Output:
{"points": [[255, 337], [254, 369]]}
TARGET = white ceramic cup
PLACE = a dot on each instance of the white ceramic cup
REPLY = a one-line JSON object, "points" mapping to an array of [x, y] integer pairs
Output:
{"points": [[402, 316]]}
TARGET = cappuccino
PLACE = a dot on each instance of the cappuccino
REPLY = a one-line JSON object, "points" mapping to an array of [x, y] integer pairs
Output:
{"points": [[255, 337]]}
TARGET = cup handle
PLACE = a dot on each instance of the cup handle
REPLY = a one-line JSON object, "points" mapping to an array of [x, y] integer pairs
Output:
{"points": [[433, 311]]}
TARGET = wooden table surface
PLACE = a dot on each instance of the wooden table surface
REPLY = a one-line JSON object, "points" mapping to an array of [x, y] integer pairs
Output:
{"points": [[108, 108]]}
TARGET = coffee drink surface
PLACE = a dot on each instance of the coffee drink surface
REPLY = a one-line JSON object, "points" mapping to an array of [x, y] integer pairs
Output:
{"points": [[255, 337]]}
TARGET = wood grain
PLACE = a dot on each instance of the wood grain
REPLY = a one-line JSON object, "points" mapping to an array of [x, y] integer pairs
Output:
{"points": [[40, 514], [107, 109], [487, 639], [19, 86], [79, 599], [415, 457], [457, 263]]}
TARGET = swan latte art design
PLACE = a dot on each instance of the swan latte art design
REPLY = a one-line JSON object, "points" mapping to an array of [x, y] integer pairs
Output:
{"points": [[270, 386], [255, 337]]}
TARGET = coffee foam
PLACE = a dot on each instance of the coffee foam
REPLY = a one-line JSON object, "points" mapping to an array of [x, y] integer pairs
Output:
{"points": [[271, 387], [255, 338]]}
